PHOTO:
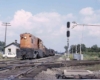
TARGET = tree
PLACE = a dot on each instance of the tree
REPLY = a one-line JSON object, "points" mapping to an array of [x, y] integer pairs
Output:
{"points": [[88, 49], [72, 48], [65, 47], [98, 49], [94, 48], [2, 44], [83, 47]]}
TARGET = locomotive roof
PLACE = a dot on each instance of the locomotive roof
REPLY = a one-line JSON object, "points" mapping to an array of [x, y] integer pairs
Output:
{"points": [[31, 35]]}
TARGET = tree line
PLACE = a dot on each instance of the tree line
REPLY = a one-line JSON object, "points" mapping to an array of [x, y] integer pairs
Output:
{"points": [[2, 45], [93, 48]]}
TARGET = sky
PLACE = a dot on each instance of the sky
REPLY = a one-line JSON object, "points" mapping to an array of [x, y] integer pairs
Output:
{"points": [[47, 20]]}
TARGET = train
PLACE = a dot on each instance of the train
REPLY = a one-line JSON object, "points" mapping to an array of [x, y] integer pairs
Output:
{"points": [[32, 47]]}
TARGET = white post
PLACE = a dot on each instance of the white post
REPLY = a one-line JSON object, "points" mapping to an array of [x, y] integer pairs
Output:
{"points": [[81, 42], [76, 49], [80, 48]]}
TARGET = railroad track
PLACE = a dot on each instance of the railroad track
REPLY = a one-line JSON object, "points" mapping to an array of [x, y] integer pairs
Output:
{"points": [[37, 69], [17, 68], [30, 68]]}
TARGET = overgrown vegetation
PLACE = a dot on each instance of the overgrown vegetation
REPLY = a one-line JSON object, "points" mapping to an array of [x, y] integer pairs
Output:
{"points": [[2, 46], [93, 67], [66, 56], [93, 48], [87, 56], [1, 56], [90, 53]]}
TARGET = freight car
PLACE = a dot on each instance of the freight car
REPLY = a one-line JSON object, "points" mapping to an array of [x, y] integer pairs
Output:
{"points": [[32, 47]]}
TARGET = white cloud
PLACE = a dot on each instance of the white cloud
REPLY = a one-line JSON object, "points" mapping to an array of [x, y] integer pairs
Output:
{"points": [[91, 17], [87, 11], [45, 21], [51, 26], [94, 30], [22, 19]]}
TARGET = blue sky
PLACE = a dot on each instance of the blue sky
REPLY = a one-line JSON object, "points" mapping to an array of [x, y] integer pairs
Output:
{"points": [[9, 7], [47, 20]]}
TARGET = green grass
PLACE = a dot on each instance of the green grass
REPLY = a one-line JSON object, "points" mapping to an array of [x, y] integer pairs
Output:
{"points": [[91, 56], [94, 67], [1, 56], [86, 56], [65, 56]]}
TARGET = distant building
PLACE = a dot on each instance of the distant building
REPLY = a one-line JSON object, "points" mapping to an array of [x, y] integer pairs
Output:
{"points": [[11, 49]]}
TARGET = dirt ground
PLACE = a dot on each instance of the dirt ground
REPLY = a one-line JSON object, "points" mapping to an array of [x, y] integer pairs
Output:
{"points": [[50, 74], [46, 75]]}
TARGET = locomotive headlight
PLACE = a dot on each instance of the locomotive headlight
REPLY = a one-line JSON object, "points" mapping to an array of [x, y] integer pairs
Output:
{"points": [[25, 37]]}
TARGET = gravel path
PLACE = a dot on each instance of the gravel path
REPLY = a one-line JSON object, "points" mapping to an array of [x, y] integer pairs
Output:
{"points": [[46, 75]]}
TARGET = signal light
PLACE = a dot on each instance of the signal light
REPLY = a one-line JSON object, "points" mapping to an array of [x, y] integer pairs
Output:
{"points": [[68, 34], [68, 24]]}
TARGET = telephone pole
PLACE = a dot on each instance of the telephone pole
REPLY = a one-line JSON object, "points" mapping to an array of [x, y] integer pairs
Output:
{"points": [[5, 24]]}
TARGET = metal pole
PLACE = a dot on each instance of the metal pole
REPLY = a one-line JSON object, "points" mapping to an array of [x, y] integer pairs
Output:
{"points": [[88, 25], [76, 49], [5, 33], [68, 46], [81, 42]]}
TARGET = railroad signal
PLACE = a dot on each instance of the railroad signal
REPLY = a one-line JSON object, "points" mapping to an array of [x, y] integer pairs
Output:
{"points": [[68, 30], [68, 24], [68, 34]]}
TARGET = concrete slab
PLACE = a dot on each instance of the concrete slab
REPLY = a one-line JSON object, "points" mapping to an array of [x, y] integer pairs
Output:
{"points": [[77, 72]]}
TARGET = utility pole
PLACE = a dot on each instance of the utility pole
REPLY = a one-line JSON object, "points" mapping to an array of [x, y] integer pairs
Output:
{"points": [[5, 24]]}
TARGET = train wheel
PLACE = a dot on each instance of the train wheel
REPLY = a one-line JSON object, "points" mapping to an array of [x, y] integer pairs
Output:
{"points": [[40, 55], [35, 54], [23, 57]]}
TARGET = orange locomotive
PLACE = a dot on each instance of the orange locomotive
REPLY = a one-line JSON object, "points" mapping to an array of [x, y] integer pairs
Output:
{"points": [[32, 47]]}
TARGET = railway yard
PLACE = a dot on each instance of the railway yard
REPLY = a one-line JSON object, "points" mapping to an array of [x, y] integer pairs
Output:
{"points": [[48, 68]]}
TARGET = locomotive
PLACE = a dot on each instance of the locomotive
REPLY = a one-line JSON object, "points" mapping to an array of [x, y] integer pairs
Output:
{"points": [[32, 47]]}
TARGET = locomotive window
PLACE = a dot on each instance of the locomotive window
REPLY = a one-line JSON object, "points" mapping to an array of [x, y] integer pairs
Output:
{"points": [[32, 40], [29, 35], [21, 37]]}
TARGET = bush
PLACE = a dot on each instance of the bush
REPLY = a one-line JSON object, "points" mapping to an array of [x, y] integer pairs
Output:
{"points": [[92, 55], [1, 56], [70, 56]]}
